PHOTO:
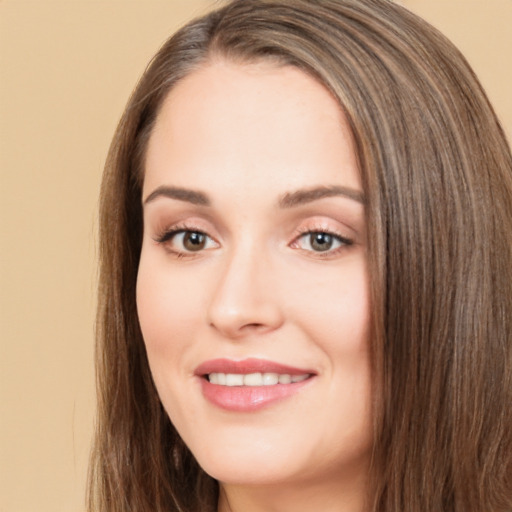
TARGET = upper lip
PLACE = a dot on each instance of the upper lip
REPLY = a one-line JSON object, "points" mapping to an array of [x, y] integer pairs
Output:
{"points": [[245, 366]]}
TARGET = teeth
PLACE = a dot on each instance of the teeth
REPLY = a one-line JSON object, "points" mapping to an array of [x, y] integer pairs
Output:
{"points": [[270, 379], [285, 379], [254, 379], [234, 379]]}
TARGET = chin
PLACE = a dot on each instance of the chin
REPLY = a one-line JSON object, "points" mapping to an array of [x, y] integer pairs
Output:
{"points": [[263, 462]]}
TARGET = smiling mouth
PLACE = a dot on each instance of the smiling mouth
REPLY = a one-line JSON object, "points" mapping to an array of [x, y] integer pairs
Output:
{"points": [[254, 379], [251, 384]]}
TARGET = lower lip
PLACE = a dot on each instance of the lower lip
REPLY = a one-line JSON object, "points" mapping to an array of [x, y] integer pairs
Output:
{"points": [[249, 398]]}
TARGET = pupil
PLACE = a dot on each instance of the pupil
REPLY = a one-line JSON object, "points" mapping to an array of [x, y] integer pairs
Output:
{"points": [[321, 241], [194, 241]]}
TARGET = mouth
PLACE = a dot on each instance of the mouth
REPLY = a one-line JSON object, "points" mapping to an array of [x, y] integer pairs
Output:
{"points": [[251, 372], [251, 384], [254, 379]]}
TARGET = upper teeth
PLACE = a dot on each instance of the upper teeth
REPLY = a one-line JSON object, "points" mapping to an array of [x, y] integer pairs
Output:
{"points": [[254, 379]]}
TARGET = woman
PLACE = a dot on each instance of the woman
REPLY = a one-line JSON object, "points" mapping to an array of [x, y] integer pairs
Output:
{"points": [[306, 284]]}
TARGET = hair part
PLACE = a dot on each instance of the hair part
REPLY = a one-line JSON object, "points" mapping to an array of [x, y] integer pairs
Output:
{"points": [[437, 176]]}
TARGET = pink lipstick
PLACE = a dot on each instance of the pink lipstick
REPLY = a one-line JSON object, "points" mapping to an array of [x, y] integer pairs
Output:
{"points": [[250, 384]]}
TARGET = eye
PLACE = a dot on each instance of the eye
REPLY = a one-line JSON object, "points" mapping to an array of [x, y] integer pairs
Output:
{"points": [[321, 241], [186, 241], [192, 240]]}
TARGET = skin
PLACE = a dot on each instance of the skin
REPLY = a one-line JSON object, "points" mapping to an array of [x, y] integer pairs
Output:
{"points": [[248, 137]]}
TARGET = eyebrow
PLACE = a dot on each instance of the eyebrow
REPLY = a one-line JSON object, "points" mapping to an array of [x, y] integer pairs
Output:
{"points": [[181, 194], [288, 200], [300, 197]]}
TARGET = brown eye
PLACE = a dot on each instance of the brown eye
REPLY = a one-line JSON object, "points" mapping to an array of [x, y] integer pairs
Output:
{"points": [[194, 241], [183, 241], [321, 241]]}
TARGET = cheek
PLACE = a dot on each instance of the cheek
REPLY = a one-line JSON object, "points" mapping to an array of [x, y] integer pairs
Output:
{"points": [[163, 316], [166, 304], [335, 309], [166, 313], [156, 312], [335, 314]]}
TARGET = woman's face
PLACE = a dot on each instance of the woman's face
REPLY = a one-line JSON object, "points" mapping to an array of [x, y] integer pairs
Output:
{"points": [[252, 289]]}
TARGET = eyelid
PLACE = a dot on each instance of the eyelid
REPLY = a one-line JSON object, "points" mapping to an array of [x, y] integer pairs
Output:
{"points": [[164, 228], [320, 226], [166, 236], [307, 227], [345, 240]]}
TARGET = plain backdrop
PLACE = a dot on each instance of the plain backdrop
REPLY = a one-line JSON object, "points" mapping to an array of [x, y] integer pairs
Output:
{"points": [[66, 70]]}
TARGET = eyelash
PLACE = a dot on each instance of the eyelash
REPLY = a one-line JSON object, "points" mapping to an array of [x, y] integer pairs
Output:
{"points": [[169, 234], [342, 240]]}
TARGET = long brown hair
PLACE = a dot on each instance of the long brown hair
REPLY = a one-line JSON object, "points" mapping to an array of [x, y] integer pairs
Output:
{"points": [[437, 175]]}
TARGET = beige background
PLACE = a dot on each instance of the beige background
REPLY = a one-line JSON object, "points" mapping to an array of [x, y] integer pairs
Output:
{"points": [[66, 70]]}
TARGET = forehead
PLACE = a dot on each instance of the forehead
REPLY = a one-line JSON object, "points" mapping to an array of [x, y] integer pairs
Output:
{"points": [[227, 122]]}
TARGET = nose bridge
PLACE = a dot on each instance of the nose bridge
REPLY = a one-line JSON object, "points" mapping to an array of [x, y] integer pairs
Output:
{"points": [[242, 300]]}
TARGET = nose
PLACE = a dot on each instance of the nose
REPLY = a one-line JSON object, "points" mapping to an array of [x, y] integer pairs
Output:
{"points": [[244, 301]]}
